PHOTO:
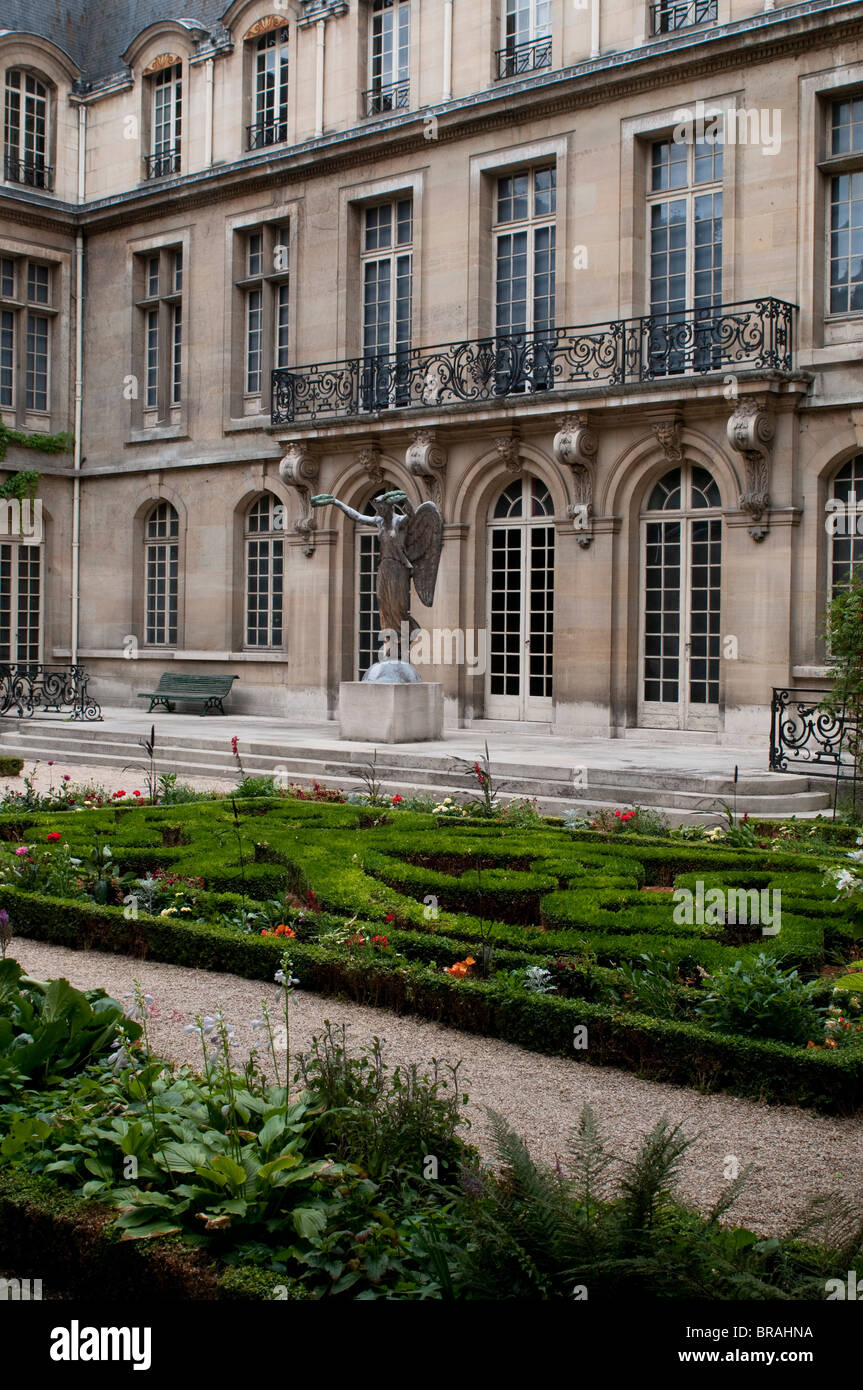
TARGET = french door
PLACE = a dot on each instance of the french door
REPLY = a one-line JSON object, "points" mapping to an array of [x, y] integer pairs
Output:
{"points": [[521, 603], [681, 588]]}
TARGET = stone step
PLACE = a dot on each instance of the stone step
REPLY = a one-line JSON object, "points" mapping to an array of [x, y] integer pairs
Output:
{"points": [[688, 796]]}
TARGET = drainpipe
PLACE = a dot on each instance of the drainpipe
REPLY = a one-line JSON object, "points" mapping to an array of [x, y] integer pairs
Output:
{"points": [[79, 385], [594, 29], [446, 94], [319, 78], [209, 86]]}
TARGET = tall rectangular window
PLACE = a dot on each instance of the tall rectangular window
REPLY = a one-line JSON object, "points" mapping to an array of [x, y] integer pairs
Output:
{"points": [[389, 59], [166, 122], [666, 16], [846, 208], [270, 97], [524, 236], [387, 270], [20, 602], [26, 325], [263, 283], [162, 570], [159, 278], [685, 240]]}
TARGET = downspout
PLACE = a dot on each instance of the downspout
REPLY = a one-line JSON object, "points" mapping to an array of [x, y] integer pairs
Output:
{"points": [[209, 83], [319, 78], [446, 94], [594, 28], [79, 387]]}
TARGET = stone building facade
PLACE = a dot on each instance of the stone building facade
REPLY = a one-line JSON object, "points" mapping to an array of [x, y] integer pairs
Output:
{"points": [[587, 273]]}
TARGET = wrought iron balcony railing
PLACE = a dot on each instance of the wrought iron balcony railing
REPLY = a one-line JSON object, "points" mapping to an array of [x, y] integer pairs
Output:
{"points": [[265, 133], [669, 15], [757, 334], [26, 687], [159, 166], [523, 57], [808, 737], [31, 172], [391, 96]]}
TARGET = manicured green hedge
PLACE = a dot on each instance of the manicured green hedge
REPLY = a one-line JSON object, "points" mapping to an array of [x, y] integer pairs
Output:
{"points": [[50, 1234]]}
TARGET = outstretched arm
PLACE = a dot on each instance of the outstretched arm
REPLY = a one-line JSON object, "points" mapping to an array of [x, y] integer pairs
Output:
{"points": [[325, 499]]}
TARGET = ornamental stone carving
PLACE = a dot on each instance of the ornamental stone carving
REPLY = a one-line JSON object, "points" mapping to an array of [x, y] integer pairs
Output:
{"points": [[299, 470], [369, 460], [509, 452], [668, 436], [750, 432], [426, 458], [576, 446]]}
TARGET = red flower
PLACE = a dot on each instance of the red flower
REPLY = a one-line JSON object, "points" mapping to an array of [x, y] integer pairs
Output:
{"points": [[234, 743], [116, 795], [136, 793], [390, 917], [53, 836], [380, 941], [397, 800]]}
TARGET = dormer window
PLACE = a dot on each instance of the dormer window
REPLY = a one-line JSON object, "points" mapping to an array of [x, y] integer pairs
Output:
{"points": [[26, 130], [270, 89], [166, 119]]}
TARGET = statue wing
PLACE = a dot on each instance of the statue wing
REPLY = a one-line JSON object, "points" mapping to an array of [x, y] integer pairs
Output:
{"points": [[423, 544]]}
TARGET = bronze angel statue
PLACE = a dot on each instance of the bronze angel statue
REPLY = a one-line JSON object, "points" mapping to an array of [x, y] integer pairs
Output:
{"points": [[411, 541]]}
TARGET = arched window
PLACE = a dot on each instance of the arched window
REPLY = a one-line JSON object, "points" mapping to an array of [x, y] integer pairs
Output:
{"points": [[162, 574], [26, 130], [846, 523], [681, 593], [270, 68], [265, 567], [521, 602]]}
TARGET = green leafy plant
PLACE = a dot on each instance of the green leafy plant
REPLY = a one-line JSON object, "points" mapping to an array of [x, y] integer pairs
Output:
{"points": [[844, 636], [761, 998], [50, 1030], [650, 987]]}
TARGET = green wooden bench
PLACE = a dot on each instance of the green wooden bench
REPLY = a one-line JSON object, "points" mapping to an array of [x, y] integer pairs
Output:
{"points": [[212, 690]]}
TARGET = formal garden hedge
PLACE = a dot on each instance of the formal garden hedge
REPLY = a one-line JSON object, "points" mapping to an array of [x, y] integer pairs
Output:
{"points": [[562, 941]]}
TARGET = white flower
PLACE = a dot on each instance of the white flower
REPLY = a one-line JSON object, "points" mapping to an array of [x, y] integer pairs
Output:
{"points": [[106, 852], [279, 977]]}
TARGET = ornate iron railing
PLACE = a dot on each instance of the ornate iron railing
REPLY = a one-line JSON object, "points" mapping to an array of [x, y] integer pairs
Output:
{"points": [[669, 15], [159, 166], [26, 687], [756, 334], [32, 172], [265, 133], [807, 737], [390, 96], [523, 57]]}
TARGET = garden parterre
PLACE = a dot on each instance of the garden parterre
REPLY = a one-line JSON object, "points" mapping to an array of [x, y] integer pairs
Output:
{"points": [[562, 940]]}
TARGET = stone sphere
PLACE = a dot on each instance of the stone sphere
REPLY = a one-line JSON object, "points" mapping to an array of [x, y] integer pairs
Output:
{"points": [[392, 673]]}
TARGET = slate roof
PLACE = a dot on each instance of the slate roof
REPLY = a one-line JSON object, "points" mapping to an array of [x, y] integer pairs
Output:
{"points": [[95, 33]]}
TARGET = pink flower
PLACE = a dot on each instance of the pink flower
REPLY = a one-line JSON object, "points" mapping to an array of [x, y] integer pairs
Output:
{"points": [[22, 850]]}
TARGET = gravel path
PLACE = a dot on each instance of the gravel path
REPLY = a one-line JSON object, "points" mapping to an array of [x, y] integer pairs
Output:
{"points": [[793, 1152]]}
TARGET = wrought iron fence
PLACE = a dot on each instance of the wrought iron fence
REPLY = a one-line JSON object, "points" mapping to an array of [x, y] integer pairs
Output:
{"points": [[32, 172], [523, 57], [669, 15], [24, 688], [807, 737], [755, 334], [264, 133], [390, 96], [159, 166]]}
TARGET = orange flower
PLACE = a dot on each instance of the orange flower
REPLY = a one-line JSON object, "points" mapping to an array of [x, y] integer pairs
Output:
{"points": [[461, 967], [284, 930]]}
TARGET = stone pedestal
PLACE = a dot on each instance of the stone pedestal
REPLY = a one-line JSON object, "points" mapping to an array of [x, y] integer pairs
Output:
{"points": [[380, 712]]}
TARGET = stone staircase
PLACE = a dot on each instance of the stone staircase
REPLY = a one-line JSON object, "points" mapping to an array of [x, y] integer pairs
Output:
{"points": [[682, 795]]}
